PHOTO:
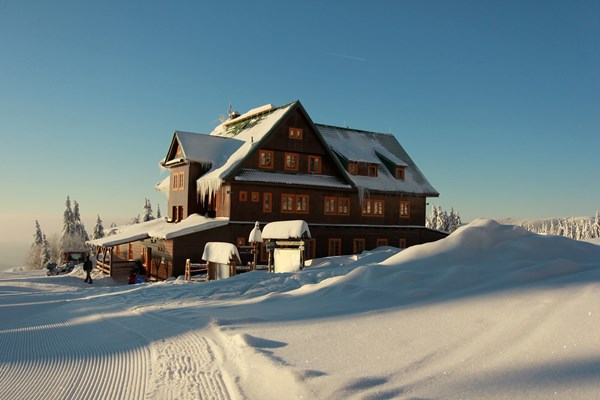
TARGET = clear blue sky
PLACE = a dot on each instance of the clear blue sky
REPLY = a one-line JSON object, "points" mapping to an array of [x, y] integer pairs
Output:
{"points": [[498, 102]]}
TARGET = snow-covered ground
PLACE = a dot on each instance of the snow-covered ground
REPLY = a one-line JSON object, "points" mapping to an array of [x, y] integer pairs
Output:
{"points": [[490, 312]]}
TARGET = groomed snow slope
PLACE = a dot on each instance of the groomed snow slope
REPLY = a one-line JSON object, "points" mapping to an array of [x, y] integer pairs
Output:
{"points": [[490, 312]]}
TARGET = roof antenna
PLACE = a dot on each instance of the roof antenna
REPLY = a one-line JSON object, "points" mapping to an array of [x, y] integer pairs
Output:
{"points": [[231, 113]]}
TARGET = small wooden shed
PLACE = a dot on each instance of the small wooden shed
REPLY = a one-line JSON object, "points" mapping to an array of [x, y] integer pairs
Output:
{"points": [[221, 259], [284, 240]]}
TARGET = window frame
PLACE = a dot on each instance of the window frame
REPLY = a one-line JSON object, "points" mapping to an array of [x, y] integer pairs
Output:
{"points": [[296, 133], [400, 173], [295, 156], [404, 209], [355, 247], [340, 201], [294, 208], [255, 197], [267, 199], [319, 163], [333, 209], [261, 156], [370, 169], [370, 207], [334, 247], [381, 242], [243, 196], [353, 168]]}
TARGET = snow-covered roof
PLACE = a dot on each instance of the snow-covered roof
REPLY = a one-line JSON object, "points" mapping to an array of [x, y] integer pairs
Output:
{"points": [[377, 148], [251, 175], [294, 229], [249, 130], [207, 149], [220, 252], [159, 229]]}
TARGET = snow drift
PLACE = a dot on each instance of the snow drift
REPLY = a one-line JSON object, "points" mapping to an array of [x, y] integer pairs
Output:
{"points": [[492, 311]]}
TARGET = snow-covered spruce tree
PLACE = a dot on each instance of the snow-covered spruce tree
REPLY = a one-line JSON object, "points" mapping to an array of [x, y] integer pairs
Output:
{"points": [[147, 215], [34, 257], [45, 256], [98, 229], [432, 220], [596, 226], [158, 212], [74, 234]]}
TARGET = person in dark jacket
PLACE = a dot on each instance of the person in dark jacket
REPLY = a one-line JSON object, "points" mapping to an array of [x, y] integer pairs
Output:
{"points": [[87, 267]]}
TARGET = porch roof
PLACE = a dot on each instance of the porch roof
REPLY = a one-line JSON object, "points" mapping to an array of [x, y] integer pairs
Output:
{"points": [[159, 229]]}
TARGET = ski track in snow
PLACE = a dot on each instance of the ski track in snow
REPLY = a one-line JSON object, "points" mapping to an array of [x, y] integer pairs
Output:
{"points": [[101, 355]]}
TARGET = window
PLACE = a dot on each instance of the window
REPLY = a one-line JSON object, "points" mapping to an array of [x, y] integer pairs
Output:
{"points": [[309, 248], [344, 206], [382, 242], [295, 133], [358, 246], [294, 203], [373, 207], [334, 247], [291, 161], [405, 209], [400, 173], [265, 159], [330, 203], [255, 196], [243, 196], [336, 206], [353, 168], [178, 152], [267, 202], [314, 164], [241, 241], [402, 243], [178, 180], [372, 170]]}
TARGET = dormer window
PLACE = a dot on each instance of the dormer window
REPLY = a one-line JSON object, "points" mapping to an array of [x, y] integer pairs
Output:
{"points": [[295, 133], [400, 173], [353, 168], [314, 164], [372, 170]]}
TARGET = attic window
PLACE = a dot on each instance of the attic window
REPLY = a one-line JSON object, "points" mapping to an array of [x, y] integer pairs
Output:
{"points": [[295, 133], [372, 170], [400, 173], [178, 151], [291, 161], [314, 164], [353, 168], [265, 159]]}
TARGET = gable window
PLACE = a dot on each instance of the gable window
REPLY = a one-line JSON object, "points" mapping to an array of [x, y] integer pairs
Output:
{"points": [[334, 247], [267, 202], [265, 159], [255, 196], [178, 180], [372, 170], [314, 164], [353, 168], [178, 152], [358, 246], [373, 207], [295, 133], [243, 196], [405, 209], [400, 173], [329, 207], [294, 203], [291, 161]]}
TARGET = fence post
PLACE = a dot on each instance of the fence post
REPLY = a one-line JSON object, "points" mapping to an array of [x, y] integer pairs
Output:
{"points": [[188, 274]]}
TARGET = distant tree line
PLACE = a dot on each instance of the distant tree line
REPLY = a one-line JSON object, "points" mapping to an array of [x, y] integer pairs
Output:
{"points": [[578, 229], [45, 250], [443, 220]]}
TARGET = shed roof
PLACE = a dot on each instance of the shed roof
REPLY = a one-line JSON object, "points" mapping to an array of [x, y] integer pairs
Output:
{"points": [[294, 229]]}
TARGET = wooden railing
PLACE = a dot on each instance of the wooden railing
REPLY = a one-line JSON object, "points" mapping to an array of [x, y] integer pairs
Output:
{"points": [[194, 269]]}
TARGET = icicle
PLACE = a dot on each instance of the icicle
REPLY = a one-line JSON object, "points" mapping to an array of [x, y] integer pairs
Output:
{"points": [[208, 187]]}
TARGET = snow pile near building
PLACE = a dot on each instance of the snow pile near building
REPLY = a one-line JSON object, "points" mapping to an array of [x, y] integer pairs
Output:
{"points": [[490, 312]]}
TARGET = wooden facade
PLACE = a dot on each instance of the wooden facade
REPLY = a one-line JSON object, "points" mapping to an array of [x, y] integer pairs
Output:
{"points": [[291, 170]]}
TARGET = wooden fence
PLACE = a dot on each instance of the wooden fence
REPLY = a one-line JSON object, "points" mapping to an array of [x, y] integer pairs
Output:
{"points": [[194, 269]]}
